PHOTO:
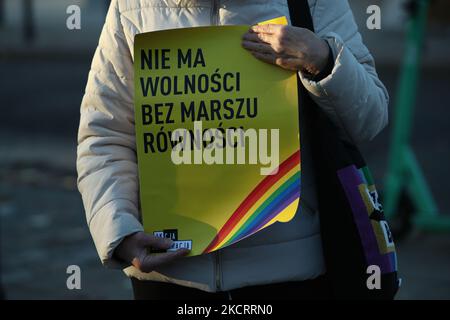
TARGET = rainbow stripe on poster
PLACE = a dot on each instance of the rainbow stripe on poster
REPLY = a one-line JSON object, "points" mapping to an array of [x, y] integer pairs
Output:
{"points": [[275, 198]]}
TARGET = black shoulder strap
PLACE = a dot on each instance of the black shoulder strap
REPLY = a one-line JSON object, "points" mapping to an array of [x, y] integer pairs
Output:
{"points": [[343, 244], [300, 14]]}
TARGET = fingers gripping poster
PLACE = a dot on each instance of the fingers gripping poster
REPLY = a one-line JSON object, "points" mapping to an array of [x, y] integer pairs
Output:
{"points": [[217, 138]]}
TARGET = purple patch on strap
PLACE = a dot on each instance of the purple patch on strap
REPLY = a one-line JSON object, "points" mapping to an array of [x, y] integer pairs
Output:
{"points": [[351, 178]]}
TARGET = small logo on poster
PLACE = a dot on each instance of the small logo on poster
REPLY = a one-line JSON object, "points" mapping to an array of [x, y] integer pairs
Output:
{"points": [[173, 234], [181, 244], [374, 280]]}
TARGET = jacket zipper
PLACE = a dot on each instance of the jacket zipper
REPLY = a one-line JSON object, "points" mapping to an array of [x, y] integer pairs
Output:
{"points": [[215, 13]]}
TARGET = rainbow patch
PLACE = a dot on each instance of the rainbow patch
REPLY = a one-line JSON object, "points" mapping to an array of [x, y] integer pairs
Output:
{"points": [[275, 198]]}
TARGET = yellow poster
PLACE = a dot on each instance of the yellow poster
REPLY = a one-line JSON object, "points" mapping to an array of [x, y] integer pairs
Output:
{"points": [[217, 137]]}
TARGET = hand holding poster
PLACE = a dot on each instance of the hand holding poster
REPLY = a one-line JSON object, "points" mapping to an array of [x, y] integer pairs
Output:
{"points": [[217, 137]]}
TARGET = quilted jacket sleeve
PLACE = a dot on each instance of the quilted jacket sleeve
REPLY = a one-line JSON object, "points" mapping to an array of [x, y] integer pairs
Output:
{"points": [[106, 157], [352, 96]]}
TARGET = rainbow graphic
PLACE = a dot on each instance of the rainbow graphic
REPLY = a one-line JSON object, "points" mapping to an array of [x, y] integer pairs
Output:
{"points": [[275, 198]]}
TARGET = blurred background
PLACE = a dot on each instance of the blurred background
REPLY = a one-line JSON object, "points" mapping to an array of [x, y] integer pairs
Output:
{"points": [[43, 73]]}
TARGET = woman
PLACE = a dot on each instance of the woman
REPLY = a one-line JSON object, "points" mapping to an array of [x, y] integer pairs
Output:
{"points": [[338, 73]]}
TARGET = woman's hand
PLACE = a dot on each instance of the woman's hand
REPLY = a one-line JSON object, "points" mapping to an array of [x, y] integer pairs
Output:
{"points": [[134, 249], [289, 47]]}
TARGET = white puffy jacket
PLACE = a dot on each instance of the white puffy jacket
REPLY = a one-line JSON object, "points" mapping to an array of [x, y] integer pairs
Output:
{"points": [[352, 96]]}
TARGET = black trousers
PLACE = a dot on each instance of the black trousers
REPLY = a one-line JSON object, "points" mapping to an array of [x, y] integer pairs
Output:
{"points": [[316, 289]]}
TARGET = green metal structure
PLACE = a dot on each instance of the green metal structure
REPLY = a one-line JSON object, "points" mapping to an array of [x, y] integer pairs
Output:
{"points": [[404, 175]]}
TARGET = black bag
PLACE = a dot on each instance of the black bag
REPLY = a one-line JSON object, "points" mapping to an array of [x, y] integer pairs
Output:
{"points": [[354, 232]]}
